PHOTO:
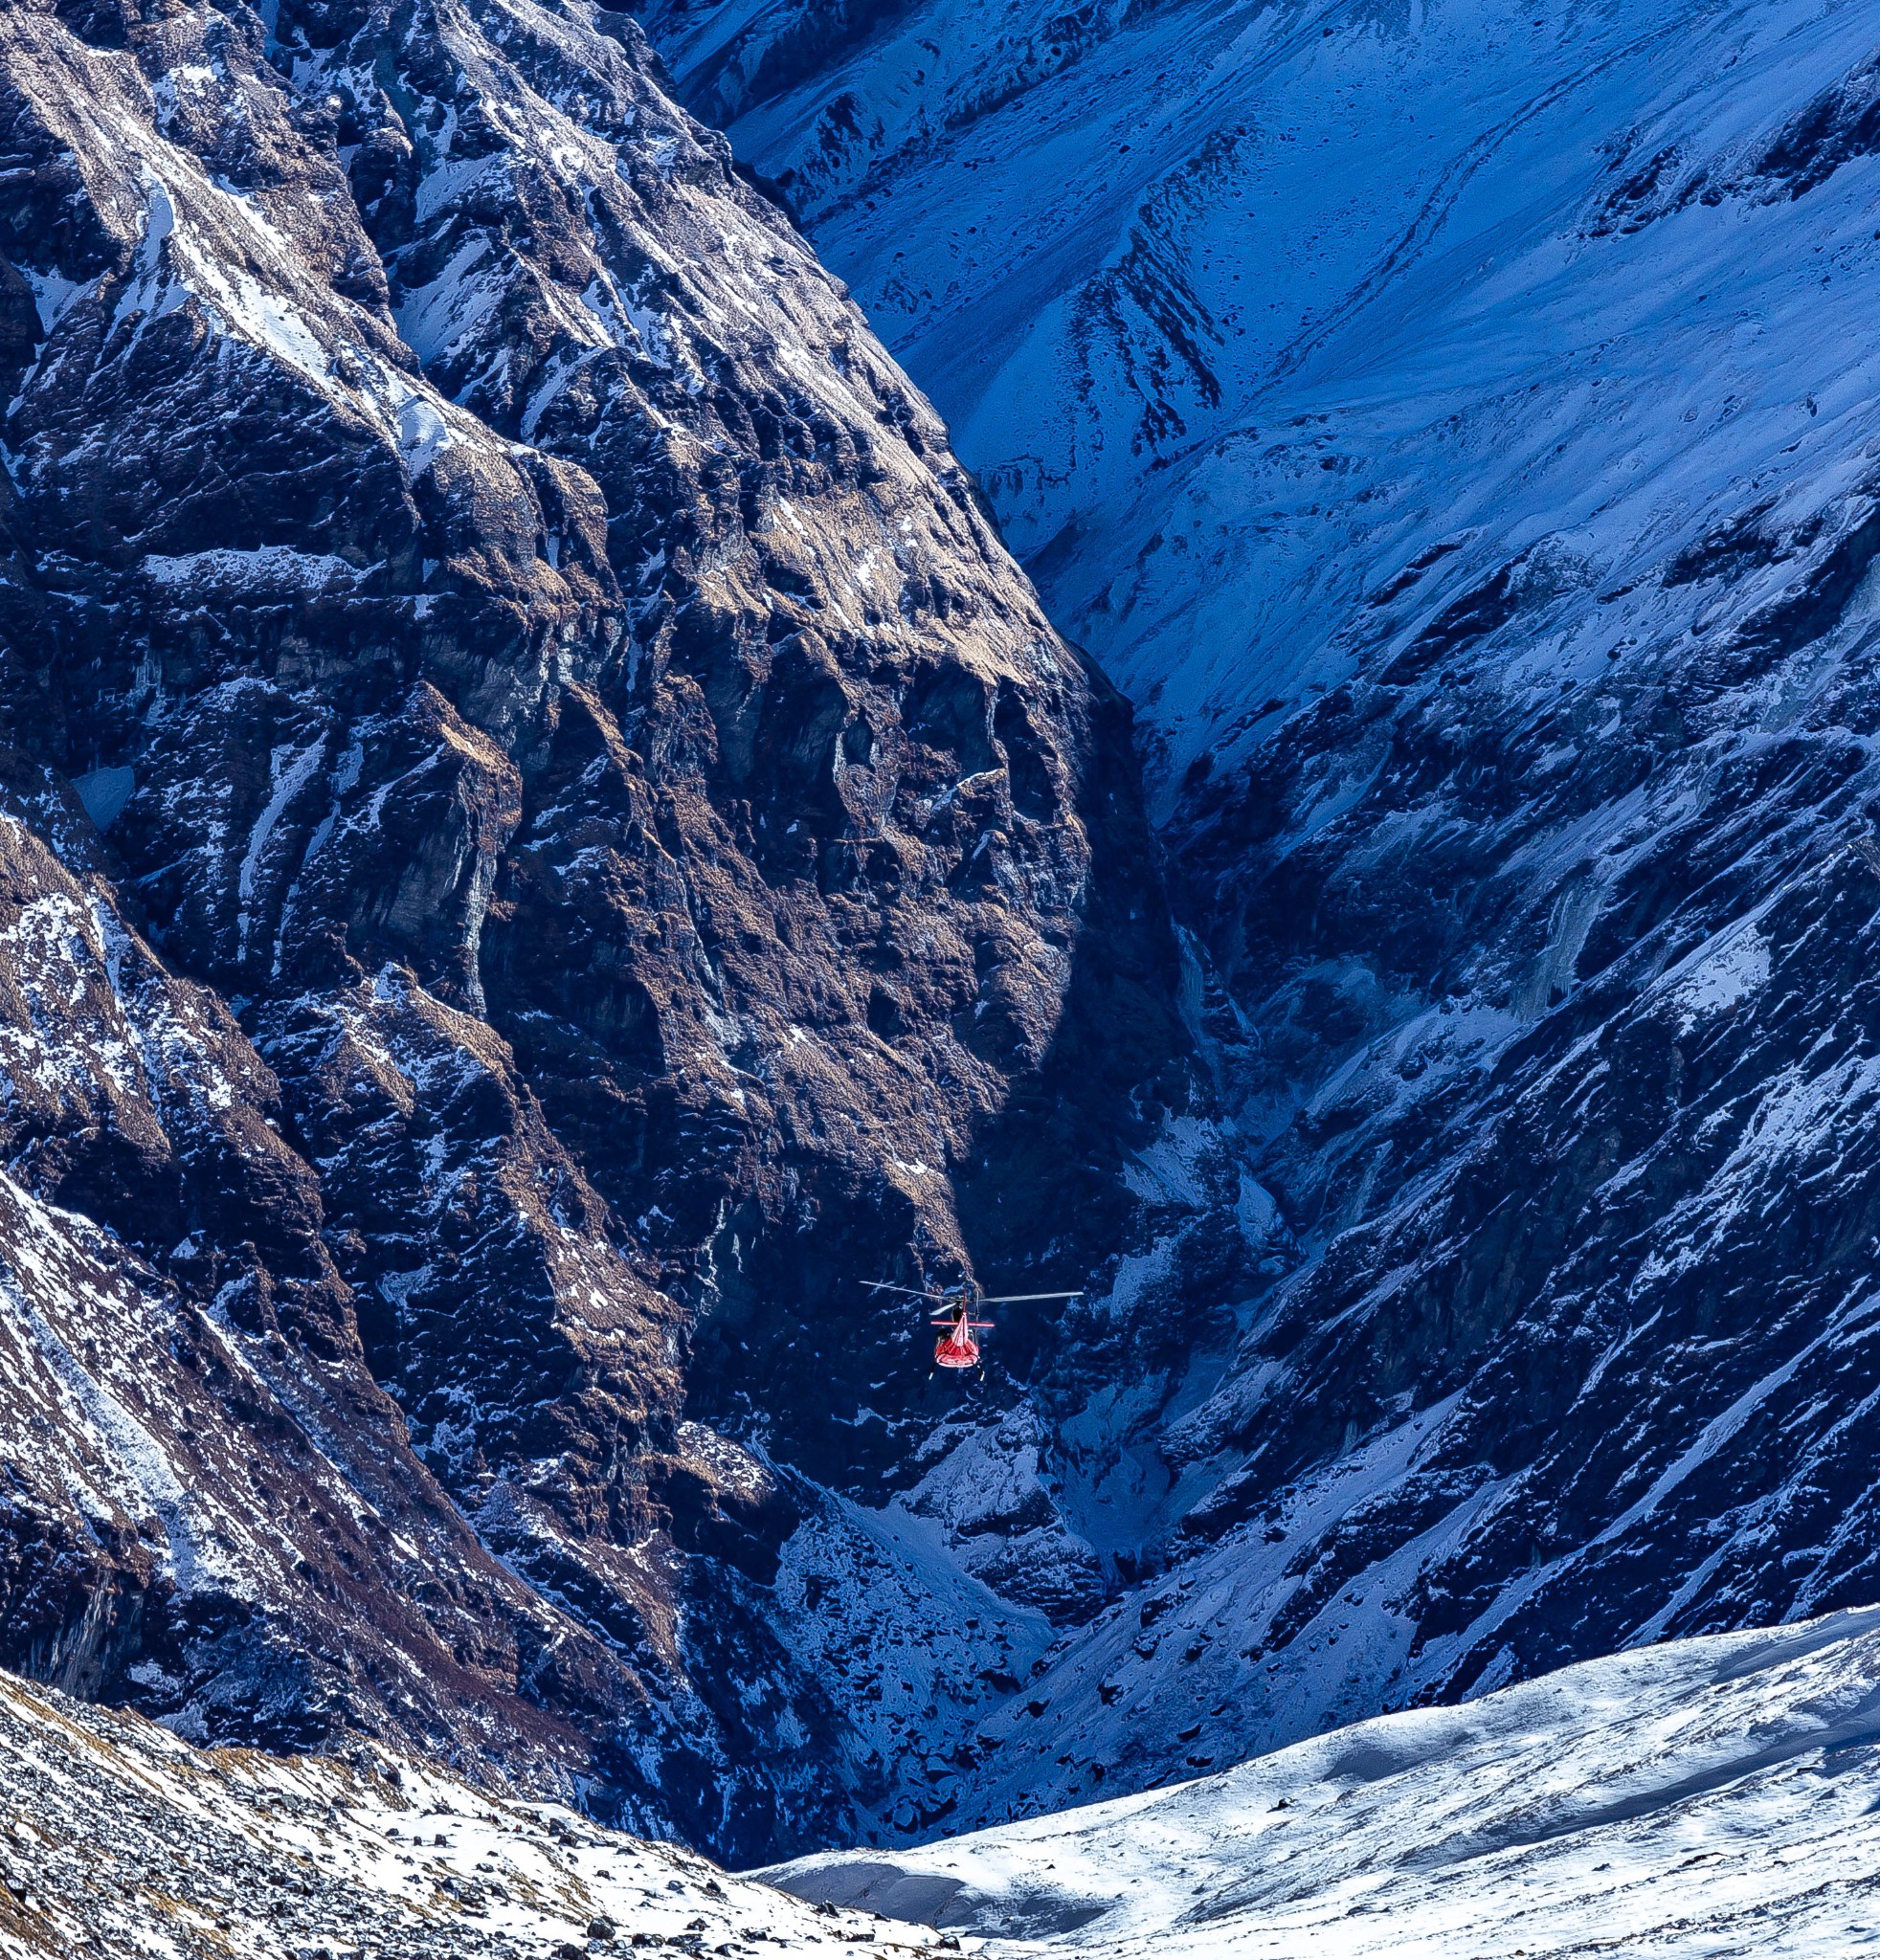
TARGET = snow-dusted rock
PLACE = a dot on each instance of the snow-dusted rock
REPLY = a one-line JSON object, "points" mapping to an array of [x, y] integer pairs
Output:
{"points": [[580, 849], [119, 1837]]}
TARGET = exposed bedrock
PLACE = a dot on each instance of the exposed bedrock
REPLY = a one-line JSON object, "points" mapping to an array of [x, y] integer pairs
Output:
{"points": [[550, 844]]}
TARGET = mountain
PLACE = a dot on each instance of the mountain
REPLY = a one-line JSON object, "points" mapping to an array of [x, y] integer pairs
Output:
{"points": [[546, 843], [1453, 428], [549, 845], [1705, 1796]]}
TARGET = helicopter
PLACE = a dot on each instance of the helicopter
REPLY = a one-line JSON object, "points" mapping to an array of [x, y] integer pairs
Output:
{"points": [[957, 1347]]}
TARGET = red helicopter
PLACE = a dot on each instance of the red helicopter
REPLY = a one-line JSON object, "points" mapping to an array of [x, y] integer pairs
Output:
{"points": [[958, 1303]]}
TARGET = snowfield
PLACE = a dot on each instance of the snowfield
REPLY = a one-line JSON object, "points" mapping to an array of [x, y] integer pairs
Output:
{"points": [[1713, 1797]]}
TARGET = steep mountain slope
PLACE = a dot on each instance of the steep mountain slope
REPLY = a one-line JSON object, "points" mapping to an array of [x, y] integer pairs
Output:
{"points": [[548, 842], [1454, 426], [1705, 1797]]}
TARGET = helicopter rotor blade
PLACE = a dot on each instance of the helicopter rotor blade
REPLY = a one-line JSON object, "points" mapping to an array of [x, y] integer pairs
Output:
{"points": [[984, 1300]]}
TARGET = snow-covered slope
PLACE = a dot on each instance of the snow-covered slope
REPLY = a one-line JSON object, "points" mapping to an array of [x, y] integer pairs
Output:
{"points": [[1706, 1797], [1241, 308]]}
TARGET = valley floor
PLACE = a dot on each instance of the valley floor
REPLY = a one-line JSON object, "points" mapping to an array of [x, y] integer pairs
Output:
{"points": [[1703, 1797]]}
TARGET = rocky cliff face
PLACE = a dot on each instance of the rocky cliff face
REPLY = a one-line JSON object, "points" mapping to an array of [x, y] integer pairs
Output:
{"points": [[1455, 429], [546, 842]]}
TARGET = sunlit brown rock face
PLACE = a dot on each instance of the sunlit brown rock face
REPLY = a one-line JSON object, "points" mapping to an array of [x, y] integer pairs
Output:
{"points": [[546, 842]]}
